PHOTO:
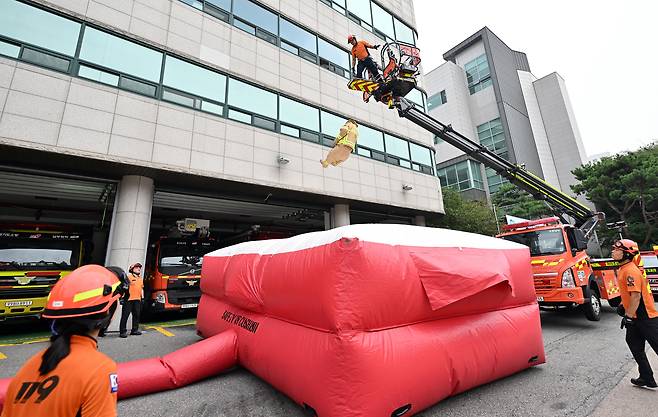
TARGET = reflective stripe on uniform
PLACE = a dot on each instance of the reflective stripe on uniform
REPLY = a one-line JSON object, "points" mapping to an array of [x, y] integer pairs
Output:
{"points": [[96, 292]]}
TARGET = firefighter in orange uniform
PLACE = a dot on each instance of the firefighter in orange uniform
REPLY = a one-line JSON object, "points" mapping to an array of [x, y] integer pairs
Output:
{"points": [[361, 54], [132, 305], [640, 317], [71, 377]]}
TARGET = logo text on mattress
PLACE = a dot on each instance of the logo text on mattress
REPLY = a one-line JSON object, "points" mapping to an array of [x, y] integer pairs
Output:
{"points": [[242, 321]]}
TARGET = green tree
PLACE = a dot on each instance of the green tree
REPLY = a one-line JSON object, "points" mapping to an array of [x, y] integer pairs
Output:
{"points": [[466, 215], [625, 188], [510, 199]]}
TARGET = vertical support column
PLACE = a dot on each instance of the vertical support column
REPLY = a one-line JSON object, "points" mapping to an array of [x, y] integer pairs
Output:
{"points": [[420, 221], [341, 215], [328, 215], [131, 221]]}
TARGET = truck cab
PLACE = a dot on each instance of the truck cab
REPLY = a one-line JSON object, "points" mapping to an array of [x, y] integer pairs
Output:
{"points": [[561, 268], [650, 261], [32, 259], [173, 267]]}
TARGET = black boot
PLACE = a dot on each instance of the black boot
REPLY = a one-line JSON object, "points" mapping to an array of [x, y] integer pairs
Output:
{"points": [[641, 382], [123, 334], [135, 333]]}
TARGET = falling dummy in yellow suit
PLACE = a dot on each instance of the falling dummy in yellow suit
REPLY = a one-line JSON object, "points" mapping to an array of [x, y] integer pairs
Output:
{"points": [[344, 144]]}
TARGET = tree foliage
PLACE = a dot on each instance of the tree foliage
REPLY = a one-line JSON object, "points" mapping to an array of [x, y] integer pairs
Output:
{"points": [[466, 215], [510, 199], [625, 188]]}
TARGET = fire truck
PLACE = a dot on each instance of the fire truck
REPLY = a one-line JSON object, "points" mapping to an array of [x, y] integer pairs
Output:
{"points": [[173, 266], [650, 260], [33, 257], [563, 273]]}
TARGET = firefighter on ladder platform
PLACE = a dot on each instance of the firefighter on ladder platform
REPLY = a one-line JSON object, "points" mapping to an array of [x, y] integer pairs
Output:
{"points": [[640, 317], [360, 52]]}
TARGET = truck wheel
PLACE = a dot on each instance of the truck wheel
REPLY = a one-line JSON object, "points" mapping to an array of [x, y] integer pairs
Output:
{"points": [[614, 302], [592, 309]]}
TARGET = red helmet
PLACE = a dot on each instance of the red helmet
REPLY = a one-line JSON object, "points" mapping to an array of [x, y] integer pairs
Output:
{"points": [[87, 291], [627, 246], [351, 38]]}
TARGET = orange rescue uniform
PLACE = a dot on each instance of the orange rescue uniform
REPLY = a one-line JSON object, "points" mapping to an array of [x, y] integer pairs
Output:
{"points": [[360, 51], [136, 287], [83, 384], [632, 279]]}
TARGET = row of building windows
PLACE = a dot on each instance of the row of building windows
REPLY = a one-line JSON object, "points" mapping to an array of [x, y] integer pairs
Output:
{"points": [[464, 175], [492, 137], [270, 26], [37, 36], [478, 75], [374, 18]]}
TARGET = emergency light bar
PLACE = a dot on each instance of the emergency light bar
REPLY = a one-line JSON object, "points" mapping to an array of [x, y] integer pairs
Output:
{"points": [[522, 225]]}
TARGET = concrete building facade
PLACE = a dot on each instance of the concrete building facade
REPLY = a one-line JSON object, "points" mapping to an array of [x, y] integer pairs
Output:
{"points": [[118, 118], [488, 93]]}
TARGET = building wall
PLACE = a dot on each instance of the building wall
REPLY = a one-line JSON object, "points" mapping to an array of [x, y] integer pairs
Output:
{"points": [[49, 111], [537, 123], [561, 127]]}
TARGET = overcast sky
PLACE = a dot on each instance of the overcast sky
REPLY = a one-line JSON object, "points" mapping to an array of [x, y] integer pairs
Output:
{"points": [[606, 51]]}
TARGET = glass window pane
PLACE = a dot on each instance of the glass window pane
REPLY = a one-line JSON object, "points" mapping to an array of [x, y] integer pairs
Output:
{"points": [[239, 116], [370, 138], [119, 54], [212, 108], [45, 60], [396, 146], [361, 8], [290, 131], [177, 98], [100, 76], [257, 15], [331, 124], [247, 28], [451, 175], [333, 53], [382, 20], [9, 49], [405, 164], [420, 154], [298, 36], [340, 3], [253, 99], [222, 4], [38, 27], [403, 32], [193, 79], [298, 114], [137, 86]]}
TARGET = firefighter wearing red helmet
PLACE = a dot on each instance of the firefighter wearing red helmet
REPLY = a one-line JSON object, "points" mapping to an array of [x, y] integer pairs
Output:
{"points": [[360, 53], [71, 377], [640, 317]]}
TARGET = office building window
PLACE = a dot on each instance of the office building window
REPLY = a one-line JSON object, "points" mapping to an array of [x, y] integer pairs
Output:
{"points": [[252, 99], [415, 96], [397, 151], [421, 158], [38, 27], [461, 176], [221, 9], [494, 180], [9, 49], [298, 41], [403, 32], [256, 20], [359, 11], [118, 54], [297, 115], [333, 58], [331, 125], [205, 85], [491, 135], [436, 100], [382, 21], [478, 75], [371, 143]]}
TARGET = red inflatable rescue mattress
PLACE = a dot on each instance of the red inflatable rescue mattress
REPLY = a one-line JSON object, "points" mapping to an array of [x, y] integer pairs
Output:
{"points": [[375, 320]]}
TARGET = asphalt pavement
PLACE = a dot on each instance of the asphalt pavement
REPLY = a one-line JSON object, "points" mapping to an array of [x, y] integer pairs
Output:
{"points": [[586, 362]]}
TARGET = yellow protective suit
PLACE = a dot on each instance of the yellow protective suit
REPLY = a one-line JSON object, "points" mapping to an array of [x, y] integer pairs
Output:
{"points": [[344, 144]]}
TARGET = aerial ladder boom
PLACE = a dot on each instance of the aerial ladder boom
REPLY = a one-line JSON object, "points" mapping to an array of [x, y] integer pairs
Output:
{"points": [[562, 203]]}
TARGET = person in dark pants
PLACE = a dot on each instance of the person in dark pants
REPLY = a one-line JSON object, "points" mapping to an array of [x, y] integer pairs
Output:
{"points": [[360, 53], [133, 304], [640, 317]]}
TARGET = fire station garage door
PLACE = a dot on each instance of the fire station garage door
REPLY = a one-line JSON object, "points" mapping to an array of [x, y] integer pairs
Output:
{"points": [[231, 217], [32, 198]]}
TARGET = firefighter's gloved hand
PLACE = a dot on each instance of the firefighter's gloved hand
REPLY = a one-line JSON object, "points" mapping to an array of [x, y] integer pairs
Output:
{"points": [[621, 311], [627, 322]]}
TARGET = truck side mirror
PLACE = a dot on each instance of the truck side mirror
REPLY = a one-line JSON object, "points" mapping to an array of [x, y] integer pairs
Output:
{"points": [[581, 240]]}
